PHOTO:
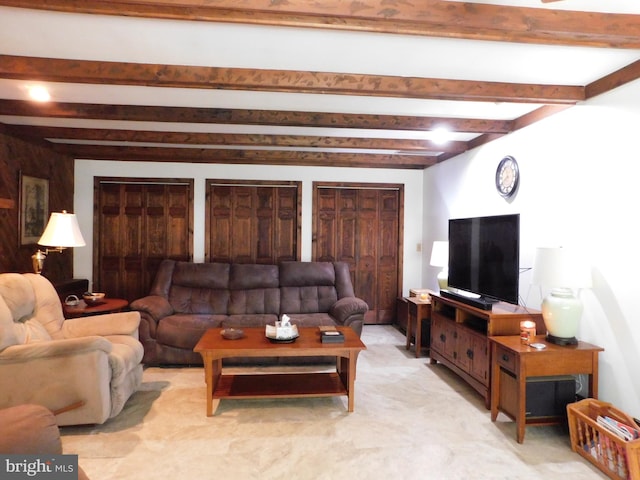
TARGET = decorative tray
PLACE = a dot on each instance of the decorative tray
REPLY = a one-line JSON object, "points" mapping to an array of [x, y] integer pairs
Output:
{"points": [[271, 334]]}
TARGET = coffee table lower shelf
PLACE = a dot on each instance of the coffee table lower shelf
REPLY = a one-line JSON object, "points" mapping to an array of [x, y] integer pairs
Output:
{"points": [[284, 385]]}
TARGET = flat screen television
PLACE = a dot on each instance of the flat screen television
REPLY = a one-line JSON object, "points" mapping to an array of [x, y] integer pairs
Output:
{"points": [[484, 257]]}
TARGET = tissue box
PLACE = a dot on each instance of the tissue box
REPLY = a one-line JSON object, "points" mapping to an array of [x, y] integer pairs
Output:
{"points": [[285, 331], [274, 332]]}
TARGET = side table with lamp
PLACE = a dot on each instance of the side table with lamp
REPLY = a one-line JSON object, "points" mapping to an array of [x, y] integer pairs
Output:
{"points": [[419, 301], [521, 364]]}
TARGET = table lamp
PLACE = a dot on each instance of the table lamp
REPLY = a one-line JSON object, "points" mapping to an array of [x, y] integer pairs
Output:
{"points": [[61, 232], [562, 270], [440, 258]]}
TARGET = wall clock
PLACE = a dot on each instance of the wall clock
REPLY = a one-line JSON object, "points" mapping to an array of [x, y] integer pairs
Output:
{"points": [[507, 176]]}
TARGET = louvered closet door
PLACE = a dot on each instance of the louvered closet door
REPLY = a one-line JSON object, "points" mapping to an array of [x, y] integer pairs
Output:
{"points": [[361, 224], [138, 224], [252, 222]]}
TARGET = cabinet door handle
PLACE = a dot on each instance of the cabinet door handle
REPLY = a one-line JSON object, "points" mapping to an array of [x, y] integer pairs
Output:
{"points": [[443, 337], [470, 354], [505, 357]]}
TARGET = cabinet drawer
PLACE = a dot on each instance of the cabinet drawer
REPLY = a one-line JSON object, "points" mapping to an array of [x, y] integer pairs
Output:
{"points": [[506, 359]]}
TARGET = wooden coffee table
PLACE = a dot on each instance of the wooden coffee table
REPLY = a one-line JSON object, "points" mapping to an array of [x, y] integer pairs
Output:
{"points": [[214, 348]]}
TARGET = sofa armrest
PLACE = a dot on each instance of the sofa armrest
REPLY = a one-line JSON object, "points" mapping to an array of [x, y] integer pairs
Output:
{"points": [[54, 348], [155, 306], [348, 309], [122, 323], [29, 429]]}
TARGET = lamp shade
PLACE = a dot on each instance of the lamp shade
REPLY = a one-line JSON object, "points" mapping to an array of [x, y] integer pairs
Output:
{"points": [[440, 258], [62, 231], [440, 254], [561, 267]]}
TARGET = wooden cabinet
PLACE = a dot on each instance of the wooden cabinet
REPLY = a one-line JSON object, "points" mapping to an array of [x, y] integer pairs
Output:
{"points": [[459, 337]]}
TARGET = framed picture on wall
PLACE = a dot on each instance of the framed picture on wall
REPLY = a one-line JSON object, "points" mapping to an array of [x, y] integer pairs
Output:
{"points": [[34, 208]]}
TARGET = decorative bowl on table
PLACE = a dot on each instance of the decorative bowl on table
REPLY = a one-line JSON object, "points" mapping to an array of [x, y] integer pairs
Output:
{"points": [[232, 333], [93, 298]]}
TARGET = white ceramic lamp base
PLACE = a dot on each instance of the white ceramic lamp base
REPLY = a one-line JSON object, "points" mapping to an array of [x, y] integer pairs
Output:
{"points": [[561, 312], [443, 279]]}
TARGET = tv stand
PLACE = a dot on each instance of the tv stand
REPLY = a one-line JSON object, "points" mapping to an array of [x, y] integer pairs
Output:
{"points": [[460, 337], [483, 303]]}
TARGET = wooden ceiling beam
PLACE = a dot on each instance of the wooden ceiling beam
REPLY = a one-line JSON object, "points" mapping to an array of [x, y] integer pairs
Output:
{"points": [[59, 135], [248, 117], [250, 157], [436, 18], [181, 76], [616, 79]]}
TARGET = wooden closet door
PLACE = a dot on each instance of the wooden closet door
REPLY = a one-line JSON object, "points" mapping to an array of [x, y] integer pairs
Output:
{"points": [[361, 225], [138, 224], [252, 222]]}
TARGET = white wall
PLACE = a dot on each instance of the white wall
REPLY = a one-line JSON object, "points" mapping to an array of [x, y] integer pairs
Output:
{"points": [[85, 170], [579, 186]]}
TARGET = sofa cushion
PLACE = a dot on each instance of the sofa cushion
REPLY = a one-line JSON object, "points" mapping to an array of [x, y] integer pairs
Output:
{"points": [[302, 274], [184, 330], [244, 321], [251, 276], [307, 299], [257, 301], [201, 275], [198, 300]]}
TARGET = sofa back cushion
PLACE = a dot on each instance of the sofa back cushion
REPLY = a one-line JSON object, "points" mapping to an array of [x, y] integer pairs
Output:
{"points": [[27, 315], [199, 287], [307, 287], [254, 289]]}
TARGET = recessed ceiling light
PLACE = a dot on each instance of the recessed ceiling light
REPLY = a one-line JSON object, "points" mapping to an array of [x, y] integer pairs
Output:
{"points": [[440, 136], [39, 94]]}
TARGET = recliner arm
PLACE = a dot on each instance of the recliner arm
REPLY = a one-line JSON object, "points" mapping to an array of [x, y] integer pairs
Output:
{"points": [[54, 348], [122, 323]]}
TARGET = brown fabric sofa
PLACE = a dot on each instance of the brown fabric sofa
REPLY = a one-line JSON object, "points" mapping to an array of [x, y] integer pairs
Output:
{"points": [[188, 298], [31, 429]]}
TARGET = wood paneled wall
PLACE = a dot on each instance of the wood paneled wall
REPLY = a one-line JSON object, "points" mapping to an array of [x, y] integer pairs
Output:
{"points": [[18, 155]]}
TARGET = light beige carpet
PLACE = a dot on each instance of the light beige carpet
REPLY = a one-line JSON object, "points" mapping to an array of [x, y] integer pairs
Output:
{"points": [[412, 420]]}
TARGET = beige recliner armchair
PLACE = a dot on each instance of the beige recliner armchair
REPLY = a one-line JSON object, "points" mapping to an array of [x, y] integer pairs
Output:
{"points": [[84, 368]]}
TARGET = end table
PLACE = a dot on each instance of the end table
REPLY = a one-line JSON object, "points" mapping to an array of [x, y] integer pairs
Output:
{"points": [[108, 305], [512, 363], [418, 311]]}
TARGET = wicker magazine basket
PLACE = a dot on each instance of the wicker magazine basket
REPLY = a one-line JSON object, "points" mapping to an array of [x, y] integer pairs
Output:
{"points": [[616, 457]]}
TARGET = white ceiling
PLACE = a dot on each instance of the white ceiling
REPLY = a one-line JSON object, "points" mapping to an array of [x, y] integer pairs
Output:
{"points": [[78, 36]]}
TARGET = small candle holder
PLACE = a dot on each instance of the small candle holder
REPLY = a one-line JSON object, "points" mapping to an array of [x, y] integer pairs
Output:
{"points": [[527, 332]]}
